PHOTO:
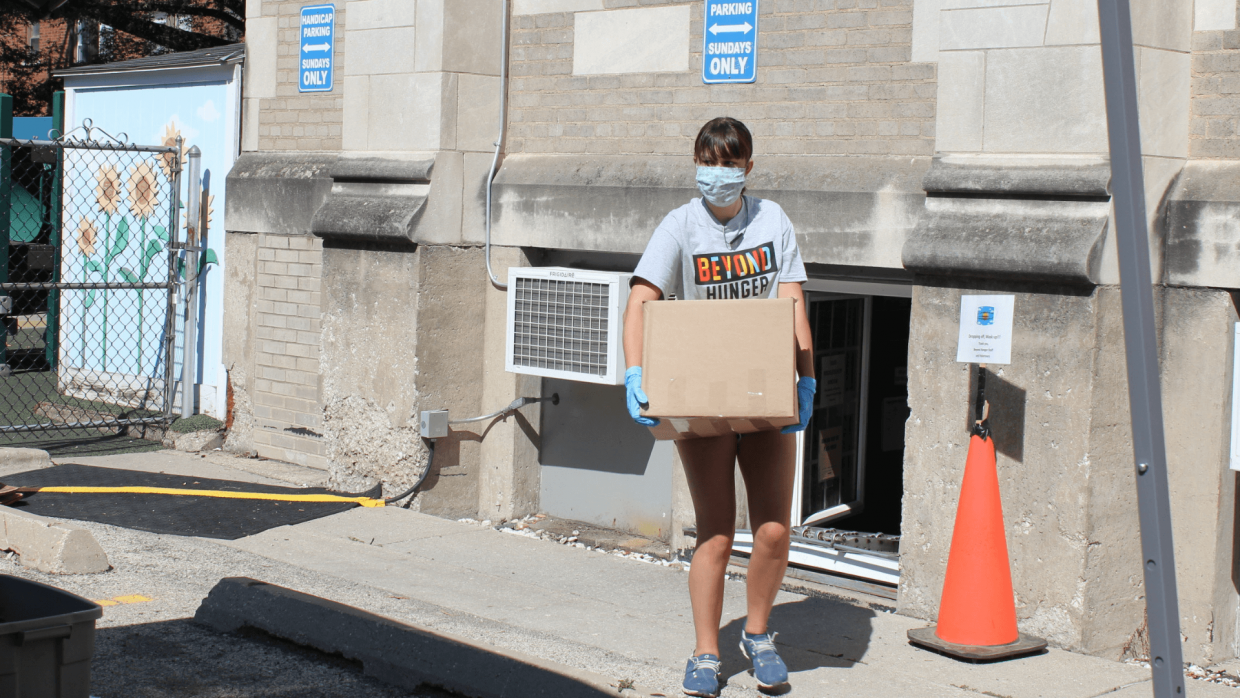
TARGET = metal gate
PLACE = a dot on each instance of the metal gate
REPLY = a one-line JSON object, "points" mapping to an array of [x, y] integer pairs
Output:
{"points": [[89, 269]]}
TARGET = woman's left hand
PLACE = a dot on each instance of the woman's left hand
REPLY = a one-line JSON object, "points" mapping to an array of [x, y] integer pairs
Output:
{"points": [[806, 388]]}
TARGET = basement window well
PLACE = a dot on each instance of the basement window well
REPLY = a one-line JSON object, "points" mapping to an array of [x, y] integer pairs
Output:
{"points": [[850, 460]]}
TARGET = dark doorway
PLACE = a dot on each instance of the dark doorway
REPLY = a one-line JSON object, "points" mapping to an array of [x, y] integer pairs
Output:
{"points": [[886, 412]]}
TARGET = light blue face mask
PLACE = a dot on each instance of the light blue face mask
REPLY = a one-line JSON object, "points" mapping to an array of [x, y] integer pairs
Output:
{"points": [[721, 186]]}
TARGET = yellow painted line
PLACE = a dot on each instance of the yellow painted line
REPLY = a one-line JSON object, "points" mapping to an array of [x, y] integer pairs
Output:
{"points": [[132, 598], [363, 501]]}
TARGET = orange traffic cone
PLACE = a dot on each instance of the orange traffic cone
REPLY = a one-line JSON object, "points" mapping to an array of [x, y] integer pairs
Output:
{"points": [[977, 614]]}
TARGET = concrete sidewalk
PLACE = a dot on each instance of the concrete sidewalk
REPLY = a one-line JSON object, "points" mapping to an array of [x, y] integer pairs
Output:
{"points": [[630, 620], [588, 610]]}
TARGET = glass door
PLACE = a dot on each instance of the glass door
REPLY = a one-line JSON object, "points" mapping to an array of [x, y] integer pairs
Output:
{"points": [[831, 451]]}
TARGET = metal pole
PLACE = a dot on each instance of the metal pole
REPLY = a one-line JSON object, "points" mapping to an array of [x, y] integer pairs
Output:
{"points": [[1144, 391], [51, 341], [6, 192], [170, 299], [192, 217]]}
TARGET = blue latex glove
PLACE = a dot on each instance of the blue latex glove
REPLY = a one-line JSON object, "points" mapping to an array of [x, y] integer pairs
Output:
{"points": [[636, 397], [806, 387]]}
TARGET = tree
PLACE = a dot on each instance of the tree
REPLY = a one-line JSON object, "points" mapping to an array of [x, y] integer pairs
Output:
{"points": [[137, 28]]}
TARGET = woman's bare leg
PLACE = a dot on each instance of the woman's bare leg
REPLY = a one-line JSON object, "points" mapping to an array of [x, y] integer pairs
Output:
{"points": [[768, 464], [709, 464]]}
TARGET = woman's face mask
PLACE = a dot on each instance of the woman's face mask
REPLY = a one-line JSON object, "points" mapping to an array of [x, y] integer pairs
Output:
{"points": [[721, 186]]}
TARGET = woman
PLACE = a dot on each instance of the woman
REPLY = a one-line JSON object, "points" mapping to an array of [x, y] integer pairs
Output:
{"points": [[724, 221]]}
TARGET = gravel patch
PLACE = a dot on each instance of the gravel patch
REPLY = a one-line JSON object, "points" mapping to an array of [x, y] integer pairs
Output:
{"points": [[149, 647]]}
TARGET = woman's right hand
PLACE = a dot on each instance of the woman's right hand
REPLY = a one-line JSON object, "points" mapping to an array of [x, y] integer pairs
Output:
{"points": [[636, 397]]}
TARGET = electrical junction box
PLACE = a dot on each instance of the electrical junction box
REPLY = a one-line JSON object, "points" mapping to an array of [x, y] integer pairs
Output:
{"points": [[567, 323], [434, 424]]}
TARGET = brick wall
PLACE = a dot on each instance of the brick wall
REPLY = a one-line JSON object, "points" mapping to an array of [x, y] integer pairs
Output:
{"points": [[1214, 126], [834, 77], [294, 120], [286, 381]]}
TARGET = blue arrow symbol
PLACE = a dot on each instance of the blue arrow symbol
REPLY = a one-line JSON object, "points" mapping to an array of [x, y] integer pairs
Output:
{"points": [[730, 28], [316, 47]]}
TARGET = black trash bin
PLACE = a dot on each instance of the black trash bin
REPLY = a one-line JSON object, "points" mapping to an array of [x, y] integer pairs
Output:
{"points": [[47, 639]]}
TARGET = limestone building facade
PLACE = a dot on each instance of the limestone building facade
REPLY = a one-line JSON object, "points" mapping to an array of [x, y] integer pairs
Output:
{"points": [[924, 150]]}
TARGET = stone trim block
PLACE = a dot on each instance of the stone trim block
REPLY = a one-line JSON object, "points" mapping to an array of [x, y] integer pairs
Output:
{"points": [[382, 51], [992, 27], [539, 7], [1203, 233], [379, 14], [261, 48], [961, 100], [1045, 100], [993, 228], [52, 547], [624, 42], [1214, 15], [1072, 23]]}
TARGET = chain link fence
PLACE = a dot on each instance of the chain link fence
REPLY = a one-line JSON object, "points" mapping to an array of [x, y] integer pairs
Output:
{"points": [[88, 283]]}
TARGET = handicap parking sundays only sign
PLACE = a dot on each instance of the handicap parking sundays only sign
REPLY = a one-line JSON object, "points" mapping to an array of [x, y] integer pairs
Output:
{"points": [[318, 43], [730, 41]]}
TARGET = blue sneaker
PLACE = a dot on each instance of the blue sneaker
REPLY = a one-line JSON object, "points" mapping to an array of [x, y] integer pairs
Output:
{"points": [[768, 668], [702, 676]]}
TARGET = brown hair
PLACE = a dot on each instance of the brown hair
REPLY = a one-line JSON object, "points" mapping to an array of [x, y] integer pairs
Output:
{"points": [[723, 138]]}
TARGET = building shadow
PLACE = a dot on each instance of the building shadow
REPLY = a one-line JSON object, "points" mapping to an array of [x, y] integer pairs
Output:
{"points": [[814, 632], [1007, 413], [1235, 532], [182, 658]]}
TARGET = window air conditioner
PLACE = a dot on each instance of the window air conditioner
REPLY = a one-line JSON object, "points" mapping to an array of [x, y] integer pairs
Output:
{"points": [[567, 323]]}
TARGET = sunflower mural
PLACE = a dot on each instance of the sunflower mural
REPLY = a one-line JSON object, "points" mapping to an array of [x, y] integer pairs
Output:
{"points": [[143, 200], [108, 193], [171, 134], [122, 197], [208, 256], [121, 218], [86, 245]]}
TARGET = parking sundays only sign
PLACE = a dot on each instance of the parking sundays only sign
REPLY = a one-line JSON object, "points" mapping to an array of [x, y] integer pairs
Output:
{"points": [[318, 43], [730, 42]]}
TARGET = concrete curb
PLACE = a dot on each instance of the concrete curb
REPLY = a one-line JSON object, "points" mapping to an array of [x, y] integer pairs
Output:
{"points": [[50, 546], [395, 652], [20, 460], [193, 441]]}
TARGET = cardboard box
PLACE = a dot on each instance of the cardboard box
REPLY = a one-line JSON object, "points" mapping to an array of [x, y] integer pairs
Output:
{"points": [[716, 367]]}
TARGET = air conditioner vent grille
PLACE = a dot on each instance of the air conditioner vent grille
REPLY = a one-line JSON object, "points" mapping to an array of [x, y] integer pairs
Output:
{"points": [[561, 325]]}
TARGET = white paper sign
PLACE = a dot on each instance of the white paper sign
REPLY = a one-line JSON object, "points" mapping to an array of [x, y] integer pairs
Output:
{"points": [[985, 329]]}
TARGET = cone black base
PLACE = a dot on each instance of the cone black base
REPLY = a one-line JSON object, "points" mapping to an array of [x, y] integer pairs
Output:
{"points": [[1025, 644]]}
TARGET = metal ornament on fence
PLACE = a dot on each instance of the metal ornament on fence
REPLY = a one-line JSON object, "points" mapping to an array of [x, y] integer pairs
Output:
{"points": [[91, 334]]}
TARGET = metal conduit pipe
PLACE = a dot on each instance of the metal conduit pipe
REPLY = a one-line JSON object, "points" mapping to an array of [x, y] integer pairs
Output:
{"points": [[430, 460], [499, 141], [512, 407], [430, 441]]}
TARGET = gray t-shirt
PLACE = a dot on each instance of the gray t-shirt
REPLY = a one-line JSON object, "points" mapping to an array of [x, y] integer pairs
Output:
{"points": [[695, 257]]}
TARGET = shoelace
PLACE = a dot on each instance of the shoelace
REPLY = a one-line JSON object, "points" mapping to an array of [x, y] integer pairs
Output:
{"points": [[760, 643], [704, 663]]}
